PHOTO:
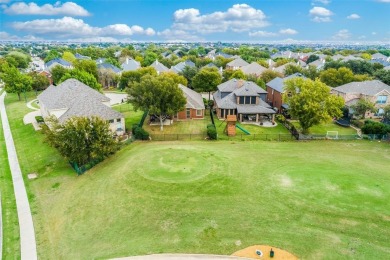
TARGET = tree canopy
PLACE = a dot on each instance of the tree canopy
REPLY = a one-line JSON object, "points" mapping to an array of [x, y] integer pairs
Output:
{"points": [[310, 102], [57, 73], [206, 80], [159, 95], [16, 82], [83, 76], [362, 107], [81, 139]]}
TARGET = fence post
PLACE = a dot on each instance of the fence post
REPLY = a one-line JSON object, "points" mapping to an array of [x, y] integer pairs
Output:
{"points": [[177, 137]]}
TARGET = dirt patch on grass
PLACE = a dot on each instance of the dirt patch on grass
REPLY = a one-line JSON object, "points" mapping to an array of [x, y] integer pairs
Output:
{"points": [[252, 252], [286, 181]]}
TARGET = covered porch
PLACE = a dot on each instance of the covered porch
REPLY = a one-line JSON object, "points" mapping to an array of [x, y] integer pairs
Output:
{"points": [[255, 114]]}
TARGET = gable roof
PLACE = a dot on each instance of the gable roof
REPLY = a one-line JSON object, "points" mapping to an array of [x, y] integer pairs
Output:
{"points": [[78, 99], [59, 61], [159, 67], [180, 66], [378, 56], [194, 99], [130, 65], [81, 57], [109, 66], [238, 62], [278, 83], [233, 84], [369, 87], [253, 69]]}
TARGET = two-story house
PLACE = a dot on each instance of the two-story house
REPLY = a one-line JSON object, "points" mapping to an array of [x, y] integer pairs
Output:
{"points": [[374, 91], [242, 98]]}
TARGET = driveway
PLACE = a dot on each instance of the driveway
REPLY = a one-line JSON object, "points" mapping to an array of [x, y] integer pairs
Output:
{"points": [[116, 98], [30, 119]]}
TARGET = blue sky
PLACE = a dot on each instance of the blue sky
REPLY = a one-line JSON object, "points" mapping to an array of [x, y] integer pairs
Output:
{"points": [[201, 20]]}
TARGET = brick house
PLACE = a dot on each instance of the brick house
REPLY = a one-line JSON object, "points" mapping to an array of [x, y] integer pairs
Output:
{"points": [[275, 92], [194, 108], [374, 91]]}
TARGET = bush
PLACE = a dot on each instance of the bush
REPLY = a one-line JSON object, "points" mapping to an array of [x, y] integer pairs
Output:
{"points": [[280, 118], [140, 133], [372, 127], [39, 119], [211, 132]]}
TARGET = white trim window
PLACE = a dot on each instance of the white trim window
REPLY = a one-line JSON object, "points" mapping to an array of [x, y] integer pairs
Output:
{"points": [[381, 100], [199, 112]]}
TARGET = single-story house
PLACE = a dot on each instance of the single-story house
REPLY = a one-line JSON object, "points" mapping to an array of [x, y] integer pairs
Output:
{"points": [[73, 98], [242, 98], [195, 106], [374, 91]]}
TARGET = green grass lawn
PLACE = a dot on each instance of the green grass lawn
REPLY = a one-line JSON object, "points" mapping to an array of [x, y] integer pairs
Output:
{"points": [[324, 127], [10, 236], [318, 199], [131, 117]]}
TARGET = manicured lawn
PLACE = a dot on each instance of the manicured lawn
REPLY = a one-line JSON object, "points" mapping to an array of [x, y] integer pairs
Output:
{"points": [[256, 132], [323, 128], [131, 117], [318, 200], [10, 236]]}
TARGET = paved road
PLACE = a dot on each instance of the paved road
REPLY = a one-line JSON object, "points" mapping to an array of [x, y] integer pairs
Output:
{"points": [[28, 245]]}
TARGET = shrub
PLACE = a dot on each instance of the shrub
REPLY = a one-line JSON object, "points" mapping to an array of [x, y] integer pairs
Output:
{"points": [[372, 127], [280, 118], [39, 119], [211, 132], [141, 134], [357, 123]]}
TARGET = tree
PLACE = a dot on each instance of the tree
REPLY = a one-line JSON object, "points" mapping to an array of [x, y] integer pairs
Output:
{"points": [[238, 74], [292, 69], [81, 139], [312, 58], [53, 54], [128, 77], [82, 76], [159, 95], [311, 102], [89, 66], [107, 78], [178, 79], [39, 81], [57, 73], [149, 58], [16, 82], [383, 75], [189, 73], [336, 77], [310, 72], [207, 80], [362, 107], [68, 56], [269, 75], [386, 113]]}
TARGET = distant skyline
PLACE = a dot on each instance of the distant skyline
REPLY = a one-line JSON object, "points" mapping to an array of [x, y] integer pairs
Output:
{"points": [[201, 20]]}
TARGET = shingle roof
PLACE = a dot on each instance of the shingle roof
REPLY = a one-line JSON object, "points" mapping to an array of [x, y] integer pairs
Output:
{"points": [[228, 102], [81, 57], [180, 66], [59, 61], [109, 66], [253, 69], [237, 63], [194, 99], [379, 56], [278, 83], [78, 99], [233, 84], [370, 87], [130, 65], [159, 67]]}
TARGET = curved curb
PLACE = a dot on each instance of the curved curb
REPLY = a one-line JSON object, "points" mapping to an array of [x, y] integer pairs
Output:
{"points": [[28, 246], [30, 106]]}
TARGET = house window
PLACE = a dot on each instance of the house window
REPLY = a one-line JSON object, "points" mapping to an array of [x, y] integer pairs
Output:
{"points": [[380, 112], [118, 119], [199, 112], [381, 100], [253, 100], [247, 100], [242, 100], [111, 121]]}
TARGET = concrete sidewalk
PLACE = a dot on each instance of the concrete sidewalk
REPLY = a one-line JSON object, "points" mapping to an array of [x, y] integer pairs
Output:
{"points": [[28, 245]]}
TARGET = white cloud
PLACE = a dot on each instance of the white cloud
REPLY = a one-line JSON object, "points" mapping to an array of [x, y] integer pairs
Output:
{"points": [[342, 35], [68, 8], [238, 18], [320, 14], [353, 16], [288, 31], [373, 33], [4, 36], [383, 1], [325, 2], [262, 34], [68, 27], [4, 1]]}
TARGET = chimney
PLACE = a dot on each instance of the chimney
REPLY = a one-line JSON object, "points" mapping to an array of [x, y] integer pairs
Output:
{"points": [[127, 60], [240, 83], [156, 62]]}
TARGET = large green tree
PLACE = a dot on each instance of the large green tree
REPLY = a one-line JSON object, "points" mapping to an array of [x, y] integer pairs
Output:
{"points": [[83, 76], [310, 102], [189, 73], [269, 75], [57, 73], [89, 66], [81, 139], [207, 80], [336, 77], [39, 81], [16, 82], [159, 95], [383, 75], [128, 77]]}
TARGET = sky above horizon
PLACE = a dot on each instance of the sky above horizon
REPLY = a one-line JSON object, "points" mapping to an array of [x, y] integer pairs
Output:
{"points": [[200, 20]]}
